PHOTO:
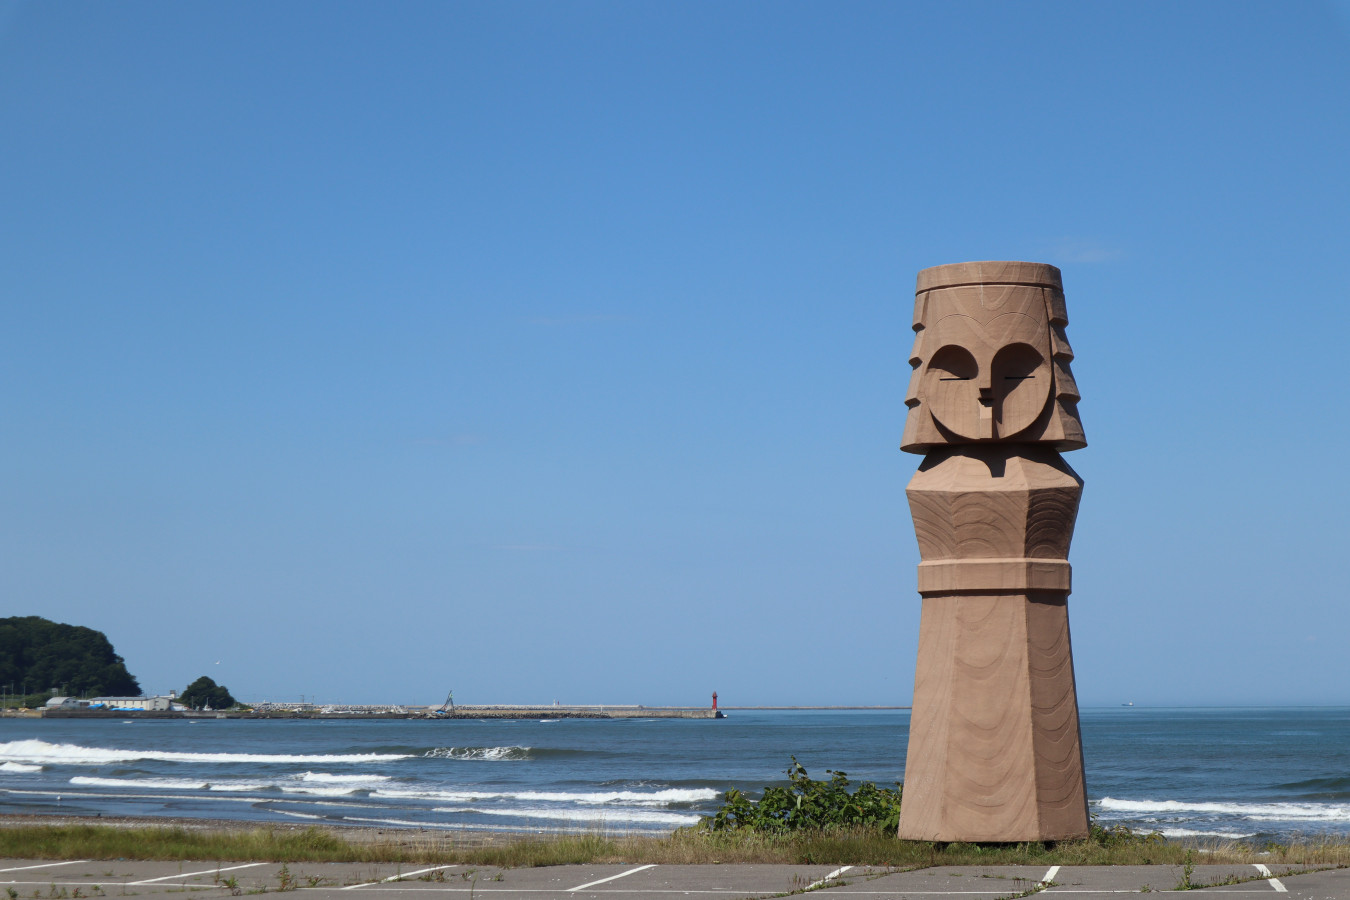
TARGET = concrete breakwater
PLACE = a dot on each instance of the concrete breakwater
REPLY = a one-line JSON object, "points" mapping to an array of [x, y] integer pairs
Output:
{"points": [[411, 712], [580, 712]]}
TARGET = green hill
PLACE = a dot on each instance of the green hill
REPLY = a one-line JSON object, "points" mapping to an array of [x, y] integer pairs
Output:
{"points": [[38, 656]]}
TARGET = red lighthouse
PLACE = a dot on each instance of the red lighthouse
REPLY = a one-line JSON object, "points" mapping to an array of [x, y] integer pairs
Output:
{"points": [[714, 701]]}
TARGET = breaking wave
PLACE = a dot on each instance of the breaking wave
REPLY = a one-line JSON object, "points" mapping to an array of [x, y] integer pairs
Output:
{"points": [[631, 798], [35, 751], [493, 754], [19, 767], [1255, 812], [314, 784], [162, 784], [607, 814], [1191, 832], [326, 778]]}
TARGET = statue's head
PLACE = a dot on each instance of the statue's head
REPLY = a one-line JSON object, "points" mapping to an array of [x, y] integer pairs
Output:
{"points": [[991, 361]]}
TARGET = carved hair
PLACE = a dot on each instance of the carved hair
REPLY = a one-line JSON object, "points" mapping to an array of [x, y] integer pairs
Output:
{"points": [[991, 359]]}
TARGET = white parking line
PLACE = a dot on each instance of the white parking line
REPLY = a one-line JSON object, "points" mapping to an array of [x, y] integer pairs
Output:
{"points": [[399, 877], [582, 887], [686, 892], [1274, 882], [441, 890], [418, 872], [195, 874], [1050, 875], [45, 865], [480, 890], [407, 888], [404, 875], [830, 877]]}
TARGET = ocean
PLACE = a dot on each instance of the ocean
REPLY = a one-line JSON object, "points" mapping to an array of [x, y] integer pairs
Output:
{"points": [[1257, 774]]}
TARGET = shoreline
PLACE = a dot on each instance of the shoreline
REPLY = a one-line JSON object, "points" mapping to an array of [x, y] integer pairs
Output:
{"points": [[404, 837]]}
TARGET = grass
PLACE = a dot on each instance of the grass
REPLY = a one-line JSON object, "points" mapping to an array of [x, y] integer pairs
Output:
{"points": [[107, 842], [841, 847]]}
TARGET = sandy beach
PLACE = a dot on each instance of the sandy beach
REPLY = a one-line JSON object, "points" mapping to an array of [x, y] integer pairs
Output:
{"points": [[410, 838]]}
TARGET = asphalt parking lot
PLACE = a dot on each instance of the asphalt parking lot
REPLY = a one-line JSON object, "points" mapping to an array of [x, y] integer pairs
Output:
{"points": [[86, 879]]}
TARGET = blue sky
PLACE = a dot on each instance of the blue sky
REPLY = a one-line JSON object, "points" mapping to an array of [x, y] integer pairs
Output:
{"points": [[558, 351]]}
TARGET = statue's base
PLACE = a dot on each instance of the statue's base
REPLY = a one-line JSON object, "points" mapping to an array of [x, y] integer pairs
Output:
{"points": [[994, 747]]}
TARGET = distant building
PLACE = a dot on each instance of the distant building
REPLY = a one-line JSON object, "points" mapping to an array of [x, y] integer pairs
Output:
{"points": [[66, 703], [130, 703]]}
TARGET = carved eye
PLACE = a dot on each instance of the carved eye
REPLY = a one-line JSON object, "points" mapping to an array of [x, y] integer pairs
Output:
{"points": [[1017, 362], [952, 363], [1021, 387]]}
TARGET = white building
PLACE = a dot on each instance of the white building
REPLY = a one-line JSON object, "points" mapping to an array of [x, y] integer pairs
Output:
{"points": [[130, 703], [67, 703]]}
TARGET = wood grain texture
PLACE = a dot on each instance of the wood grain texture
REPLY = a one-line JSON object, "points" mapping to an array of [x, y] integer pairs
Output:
{"points": [[994, 748], [1061, 789], [994, 501], [991, 358]]}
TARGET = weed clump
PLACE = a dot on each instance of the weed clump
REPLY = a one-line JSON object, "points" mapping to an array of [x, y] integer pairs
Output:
{"points": [[807, 804]]}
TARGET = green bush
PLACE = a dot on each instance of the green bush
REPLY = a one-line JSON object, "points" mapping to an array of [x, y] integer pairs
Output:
{"points": [[808, 804]]}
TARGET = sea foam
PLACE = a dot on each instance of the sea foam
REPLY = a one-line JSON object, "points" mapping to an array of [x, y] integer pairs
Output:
{"points": [[343, 791], [489, 754], [477, 826], [317, 784], [254, 800], [581, 814], [1191, 832], [637, 798], [35, 751], [1258, 812], [19, 767], [157, 784], [327, 778]]}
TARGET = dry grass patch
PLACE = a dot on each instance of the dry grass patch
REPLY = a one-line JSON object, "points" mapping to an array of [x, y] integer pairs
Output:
{"points": [[835, 847]]}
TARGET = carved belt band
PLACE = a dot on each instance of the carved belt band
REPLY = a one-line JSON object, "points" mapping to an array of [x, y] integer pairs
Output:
{"points": [[995, 576]]}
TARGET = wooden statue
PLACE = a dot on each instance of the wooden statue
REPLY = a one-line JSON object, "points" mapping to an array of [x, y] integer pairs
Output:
{"points": [[994, 748]]}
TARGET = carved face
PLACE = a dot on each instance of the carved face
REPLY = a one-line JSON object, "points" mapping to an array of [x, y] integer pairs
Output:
{"points": [[990, 358], [987, 381]]}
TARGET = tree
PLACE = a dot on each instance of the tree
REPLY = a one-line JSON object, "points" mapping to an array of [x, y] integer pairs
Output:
{"points": [[205, 692], [71, 659]]}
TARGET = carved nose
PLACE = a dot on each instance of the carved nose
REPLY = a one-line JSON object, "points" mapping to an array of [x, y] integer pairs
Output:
{"points": [[985, 382], [986, 385]]}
